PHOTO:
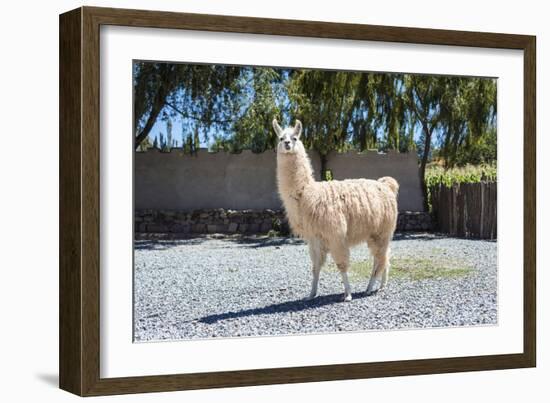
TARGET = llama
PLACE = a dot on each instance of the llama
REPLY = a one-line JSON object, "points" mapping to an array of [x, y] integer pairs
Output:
{"points": [[333, 216]]}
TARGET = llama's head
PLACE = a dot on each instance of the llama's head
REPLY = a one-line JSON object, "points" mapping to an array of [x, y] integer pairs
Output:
{"points": [[289, 138]]}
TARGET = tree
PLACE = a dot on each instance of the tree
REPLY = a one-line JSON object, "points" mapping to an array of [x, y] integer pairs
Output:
{"points": [[146, 144], [195, 92], [260, 97], [468, 121], [390, 112], [423, 96], [169, 141], [325, 101]]}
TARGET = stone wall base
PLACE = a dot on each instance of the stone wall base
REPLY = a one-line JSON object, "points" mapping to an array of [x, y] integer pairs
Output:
{"points": [[242, 221]]}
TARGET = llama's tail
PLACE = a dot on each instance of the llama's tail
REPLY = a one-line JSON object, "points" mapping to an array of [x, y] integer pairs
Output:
{"points": [[391, 183]]}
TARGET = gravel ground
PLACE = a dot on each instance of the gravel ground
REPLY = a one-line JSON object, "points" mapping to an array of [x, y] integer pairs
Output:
{"points": [[253, 286]]}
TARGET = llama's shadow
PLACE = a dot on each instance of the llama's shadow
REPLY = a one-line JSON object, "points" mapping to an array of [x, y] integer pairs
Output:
{"points": [[261, 242], [283, 307], [165, 244], [417, 236]]}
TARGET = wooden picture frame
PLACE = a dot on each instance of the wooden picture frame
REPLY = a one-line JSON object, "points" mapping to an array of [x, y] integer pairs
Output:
{"points": [[79, 280]]}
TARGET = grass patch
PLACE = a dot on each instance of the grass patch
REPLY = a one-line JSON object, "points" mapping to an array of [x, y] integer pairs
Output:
{"points": [[425, 269], [412, 269]]}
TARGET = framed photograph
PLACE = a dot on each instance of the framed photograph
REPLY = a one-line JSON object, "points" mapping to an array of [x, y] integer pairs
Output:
{"points": [[248, 201]]}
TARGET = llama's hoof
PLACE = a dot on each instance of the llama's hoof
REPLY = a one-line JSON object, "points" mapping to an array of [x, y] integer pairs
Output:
{"points": [[347, 298], [372, 292], [310, 297]]}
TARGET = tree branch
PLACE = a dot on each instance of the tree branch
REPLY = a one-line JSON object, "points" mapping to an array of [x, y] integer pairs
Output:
{"points": [[198, 118], [157, 107]]}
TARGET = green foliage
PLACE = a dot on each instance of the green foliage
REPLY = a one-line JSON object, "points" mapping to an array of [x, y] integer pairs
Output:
{"points": [[146, 144], [481, 150], [352, 110], [437, 175], [325, 101], [280, 228], [258, 101], [272, 234], [468, 121]]}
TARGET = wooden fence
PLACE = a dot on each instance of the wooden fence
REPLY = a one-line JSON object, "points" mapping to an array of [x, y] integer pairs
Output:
{"points": [[467, 209]]}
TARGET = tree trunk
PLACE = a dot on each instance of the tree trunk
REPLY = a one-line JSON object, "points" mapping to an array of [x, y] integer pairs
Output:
{"points": [[148, 125], [427, 144]]}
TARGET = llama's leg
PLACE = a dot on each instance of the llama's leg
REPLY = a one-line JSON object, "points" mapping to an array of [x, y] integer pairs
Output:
{"points": [[318, 256], [347, 287], [386, 274], [374, 266], [380, 272], [340, 254]]}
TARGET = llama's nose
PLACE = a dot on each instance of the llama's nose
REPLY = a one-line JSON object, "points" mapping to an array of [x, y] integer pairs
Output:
{"points": [[287, 142]]}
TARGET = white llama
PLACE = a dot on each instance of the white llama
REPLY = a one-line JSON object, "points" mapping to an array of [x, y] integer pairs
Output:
{"points": [[332, 216]]}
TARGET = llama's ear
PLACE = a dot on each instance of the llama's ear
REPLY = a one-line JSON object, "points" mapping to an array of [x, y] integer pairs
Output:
{"points": [[297, 128], [277, 128]]}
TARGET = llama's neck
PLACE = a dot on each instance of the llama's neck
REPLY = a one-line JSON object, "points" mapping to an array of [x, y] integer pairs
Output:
{"points": [[294, 173]]}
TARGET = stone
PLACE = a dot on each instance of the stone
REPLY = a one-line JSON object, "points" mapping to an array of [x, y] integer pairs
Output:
{"points": [[179, 228], [266, 227], [221, 228], [158, 228], [198, 228], [246, 221], [254, 228]]}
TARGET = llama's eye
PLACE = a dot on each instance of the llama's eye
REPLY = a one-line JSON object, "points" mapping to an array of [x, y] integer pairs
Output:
{"points": [[293, 138], [280, 139]]}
